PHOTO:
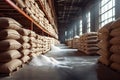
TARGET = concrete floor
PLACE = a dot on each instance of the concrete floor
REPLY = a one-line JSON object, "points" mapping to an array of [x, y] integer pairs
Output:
{"points": [[72, 67]]}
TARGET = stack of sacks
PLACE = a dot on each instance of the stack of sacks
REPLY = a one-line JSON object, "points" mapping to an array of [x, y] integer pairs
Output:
{"points": [[68, 43], [9, 54], [45, 44], [75, 42], [88, 43], [91, 41], [24, 40], [81, 43], [104, 44], [39, 45], [32, 9], [33, 43], [115, 45], [54, 41]]}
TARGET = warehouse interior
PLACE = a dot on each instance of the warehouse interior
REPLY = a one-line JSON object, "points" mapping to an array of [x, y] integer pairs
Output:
{"points": [[59, 40]]}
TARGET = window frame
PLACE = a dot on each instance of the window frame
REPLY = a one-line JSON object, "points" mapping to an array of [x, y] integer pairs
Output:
{"points": [[105, 16]]}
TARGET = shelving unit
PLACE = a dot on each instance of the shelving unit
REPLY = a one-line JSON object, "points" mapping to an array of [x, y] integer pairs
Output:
{"points": [[32, 21]]}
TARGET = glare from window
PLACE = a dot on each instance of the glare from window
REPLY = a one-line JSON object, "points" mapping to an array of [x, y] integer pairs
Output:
{"points": [[107, 12], [80, 27], [88, 21]]}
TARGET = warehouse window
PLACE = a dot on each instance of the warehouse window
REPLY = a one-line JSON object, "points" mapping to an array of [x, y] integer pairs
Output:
{"points": [[107, 12], [75, 27], [80, 26], [65, 35], [88, 21]]}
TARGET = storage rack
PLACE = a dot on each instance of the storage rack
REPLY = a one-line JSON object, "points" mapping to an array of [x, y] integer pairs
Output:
{"points": [[32, 22]]}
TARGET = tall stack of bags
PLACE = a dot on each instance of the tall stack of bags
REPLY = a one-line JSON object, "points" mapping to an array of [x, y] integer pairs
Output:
{"points": [[104, 44], [32, 8], [33, 42], [115, 45], [88, 43], [81, 43], [25, 42], [9, 45], [45, 44], [39, 45]]}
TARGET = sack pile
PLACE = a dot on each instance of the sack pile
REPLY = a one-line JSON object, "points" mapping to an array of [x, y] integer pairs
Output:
{"points": [[32, 8], [115, 45], [104, 44], [88, 43], [18, 45], [9, 45], [25, 44], [75, 42]]}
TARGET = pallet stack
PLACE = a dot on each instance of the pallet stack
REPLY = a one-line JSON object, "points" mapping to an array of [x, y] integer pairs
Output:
{"points": [[115, 45]]}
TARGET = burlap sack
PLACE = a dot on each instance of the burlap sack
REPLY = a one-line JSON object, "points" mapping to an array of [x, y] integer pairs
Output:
{"points": [[32, 34], [25, 59], [33, 55], [91, 34], [24, 39], [10, 66], [115, 58], [33, 45], [104, 60], [92, 49], [115, 66], [26, 46], [92, 37], [92, 41], [27, 3], [103, 36], [24, 32], [115, 24], [103, 53], [115, 32], [106, 28], [9, 34], [25, 52], [20, 3], [9, 23], [39, 49], [115, 49], [9, 55], [91, 45], [115, 41], [9, 44], [33, 40], [33, 50], [103, 44], [38, 53]]}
